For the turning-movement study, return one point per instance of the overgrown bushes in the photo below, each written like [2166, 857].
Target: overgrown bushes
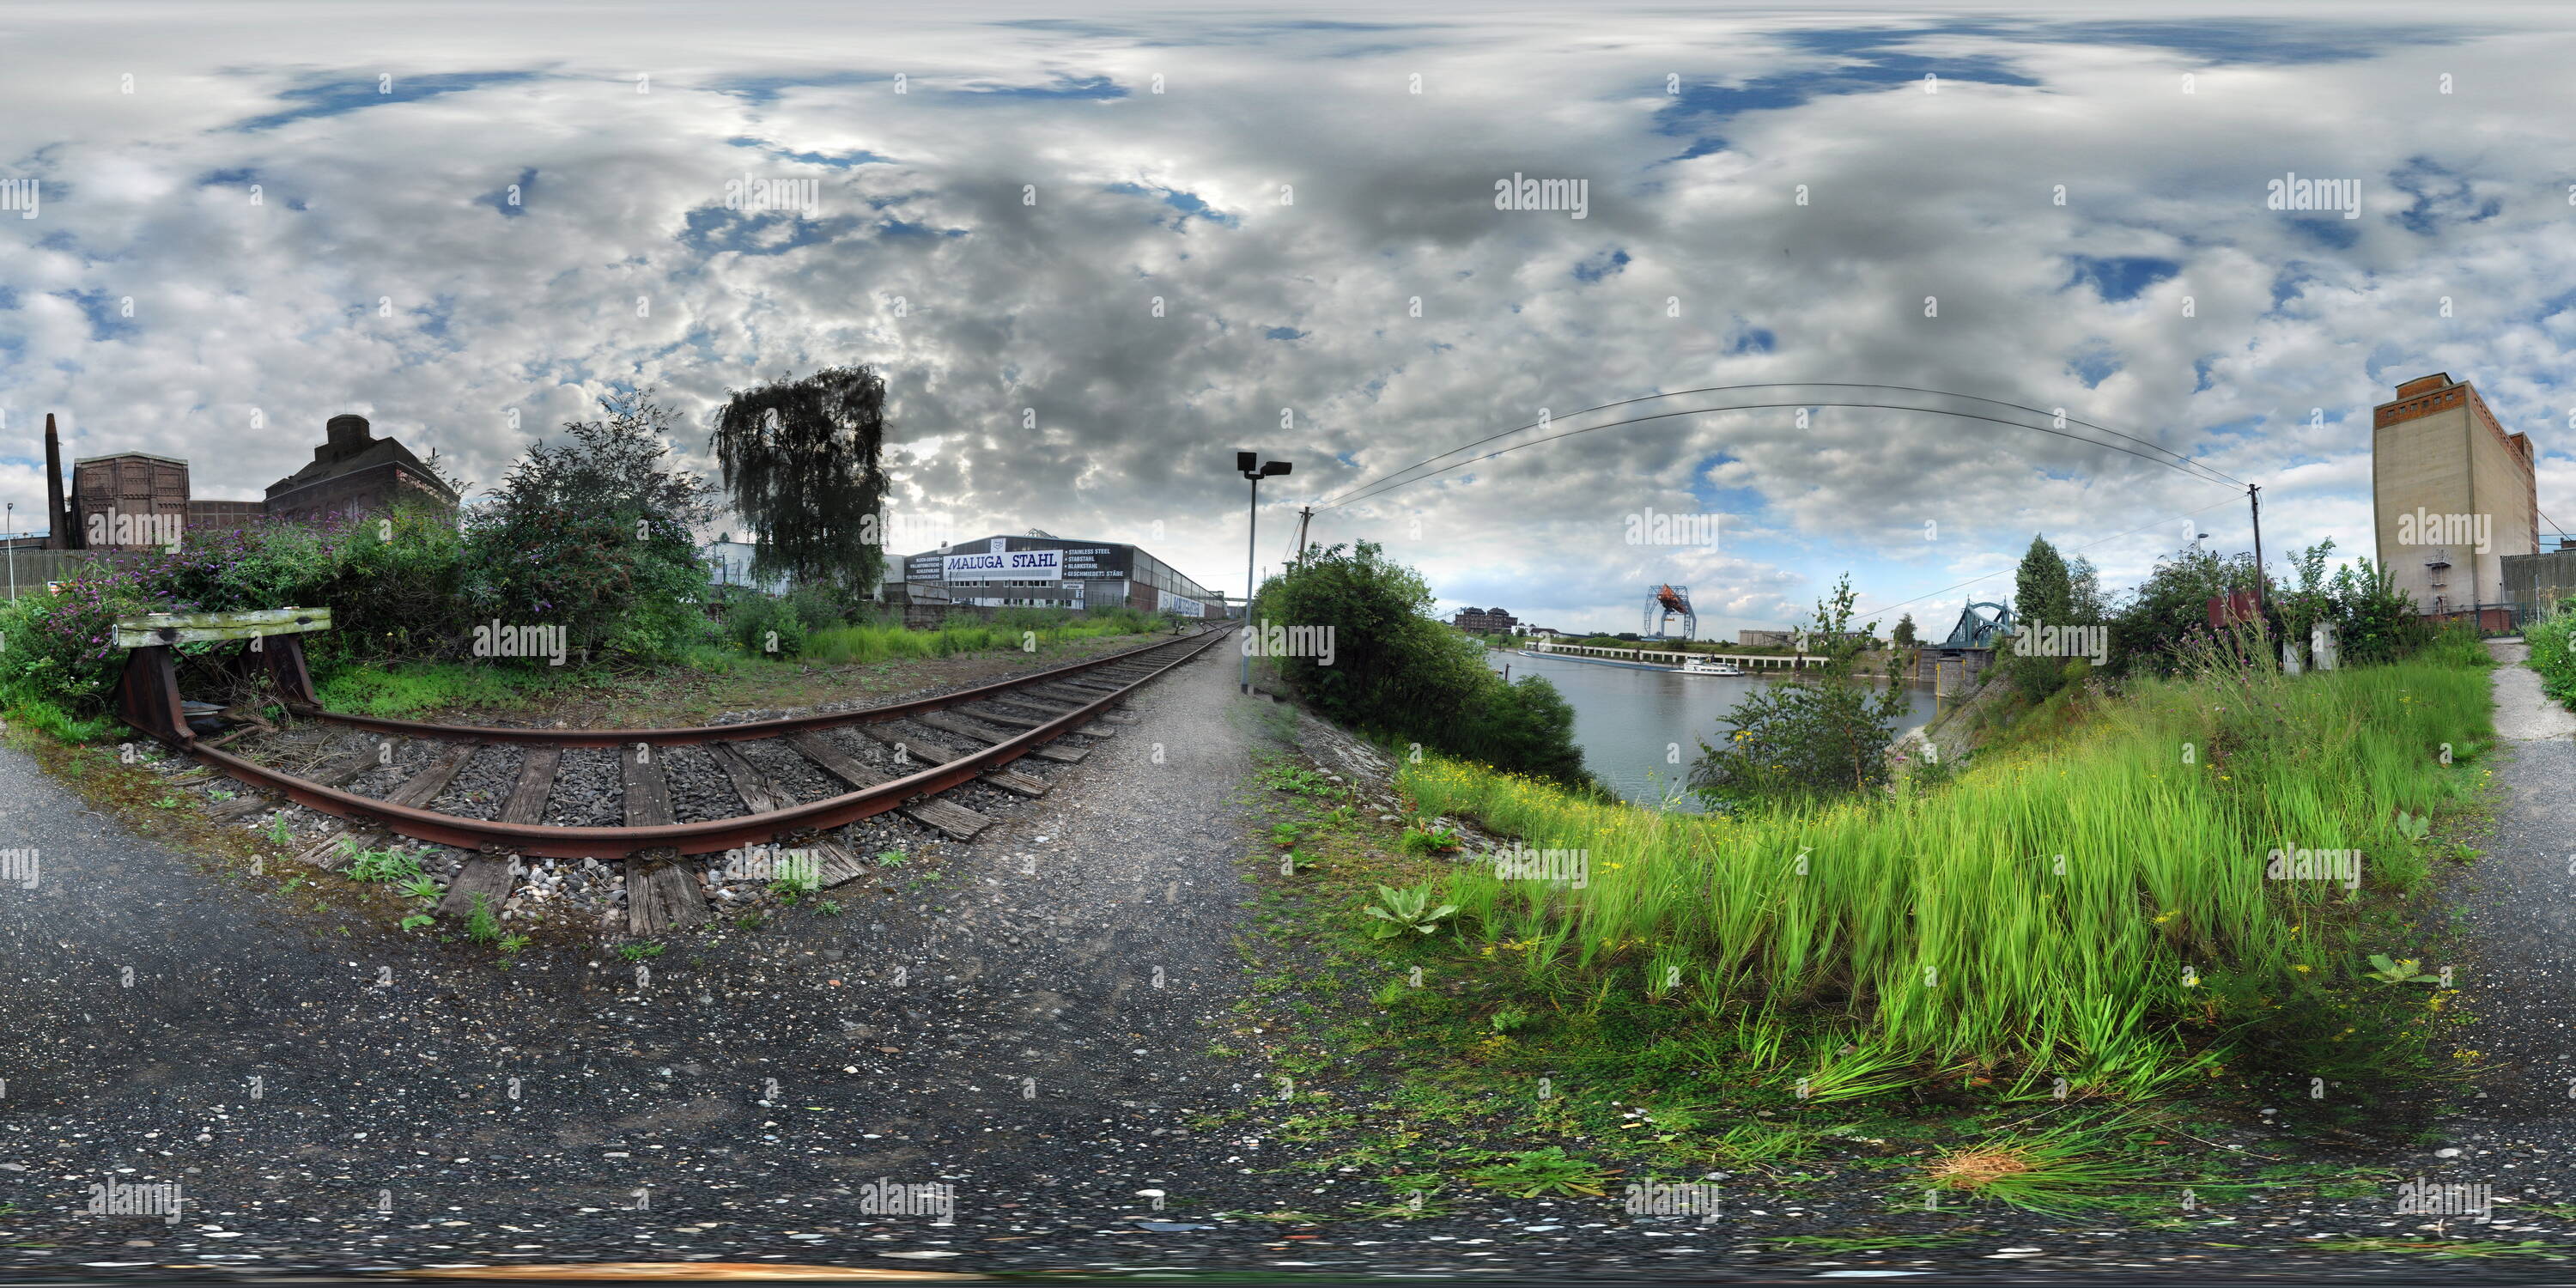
[1354, 637]
[592, 537]
[2553, 653]
[2374, 621]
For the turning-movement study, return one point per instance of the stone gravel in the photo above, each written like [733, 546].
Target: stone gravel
[483, 786]
[589, 791]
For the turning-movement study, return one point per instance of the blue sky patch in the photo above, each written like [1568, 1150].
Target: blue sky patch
[2330, 232]
[103, 312]
[2121, 278]
[2094, 364]
[836, 160]
[1077, 87]
[337, 97]
[499, 198]
[713, 229]
[1601, 266]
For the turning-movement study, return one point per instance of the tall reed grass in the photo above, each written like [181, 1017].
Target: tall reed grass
[2054, 910]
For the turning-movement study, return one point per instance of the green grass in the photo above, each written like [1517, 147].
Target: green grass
[865, 644]
[2553, 654]
[23, 703]
[390, 692]
[2097, 911]
[480, 925]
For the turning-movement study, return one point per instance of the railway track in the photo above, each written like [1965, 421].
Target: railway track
[680, 791]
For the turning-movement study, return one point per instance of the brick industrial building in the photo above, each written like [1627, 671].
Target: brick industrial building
[137, 500]
[1037, 571]
[1485, 621]
[2453, 496]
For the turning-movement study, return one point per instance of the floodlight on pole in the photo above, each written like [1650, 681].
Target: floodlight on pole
[1244, 464]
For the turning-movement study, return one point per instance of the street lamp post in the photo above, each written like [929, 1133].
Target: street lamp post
[1243, 461]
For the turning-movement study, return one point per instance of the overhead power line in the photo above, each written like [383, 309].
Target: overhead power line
[2179, 460]
[1391, 484]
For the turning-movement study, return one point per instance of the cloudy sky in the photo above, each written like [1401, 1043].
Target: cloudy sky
[1095, 256]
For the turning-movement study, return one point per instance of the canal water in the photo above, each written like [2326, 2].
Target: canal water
[1626, 719]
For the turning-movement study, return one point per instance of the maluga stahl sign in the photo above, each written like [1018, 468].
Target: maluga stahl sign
[1004, 565]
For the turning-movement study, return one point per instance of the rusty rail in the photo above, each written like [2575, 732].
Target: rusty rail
[701, 837]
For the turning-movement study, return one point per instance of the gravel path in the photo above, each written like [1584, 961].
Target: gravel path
[2520, 903]
[1025, 1026]
[1027, 1020]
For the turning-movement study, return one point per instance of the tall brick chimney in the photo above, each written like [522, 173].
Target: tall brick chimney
[59, 533]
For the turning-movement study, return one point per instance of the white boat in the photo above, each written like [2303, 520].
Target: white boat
[1709, 668]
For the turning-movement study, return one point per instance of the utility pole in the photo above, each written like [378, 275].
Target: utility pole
[2254, 498]
[1304, 516]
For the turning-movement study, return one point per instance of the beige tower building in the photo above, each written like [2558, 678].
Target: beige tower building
[2452, 494]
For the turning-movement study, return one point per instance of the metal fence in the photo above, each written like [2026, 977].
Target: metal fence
[27, 571]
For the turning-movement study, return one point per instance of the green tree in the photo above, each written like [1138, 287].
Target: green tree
[801, 463]
[2084, 603]
[594, 535]
[1818, 735]
[2043, 594]
[1903, 635]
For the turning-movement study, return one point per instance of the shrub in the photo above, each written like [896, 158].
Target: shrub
[594, 536]
[2553, 653]
[1397, 671]
[818, 607]
[2374, 620]
[1812, 736]
[766, 627]
[60, 649]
